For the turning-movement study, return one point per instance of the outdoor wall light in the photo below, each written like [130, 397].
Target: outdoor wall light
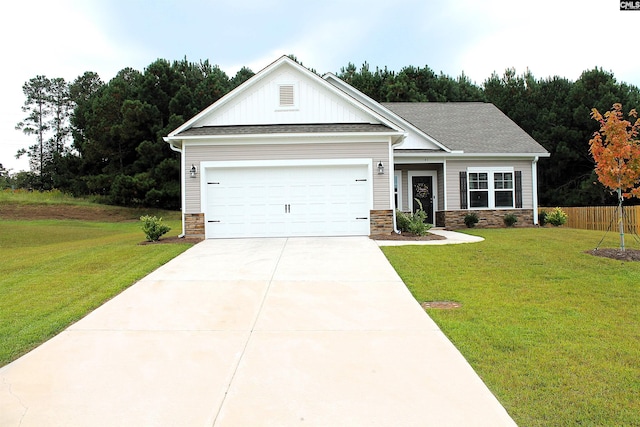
[380, 168]
[193, 171]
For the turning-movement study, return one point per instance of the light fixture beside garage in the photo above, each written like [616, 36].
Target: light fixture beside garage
[194, 171]
[380, 168]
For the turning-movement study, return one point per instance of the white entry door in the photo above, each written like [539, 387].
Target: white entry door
[327, 200]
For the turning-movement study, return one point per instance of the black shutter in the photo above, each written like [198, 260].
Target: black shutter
[518, 189]
[463, 190]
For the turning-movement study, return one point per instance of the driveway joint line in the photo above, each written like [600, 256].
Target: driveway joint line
[253, 326]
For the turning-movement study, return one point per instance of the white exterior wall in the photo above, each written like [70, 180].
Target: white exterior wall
[259, 104]
[378, 151]
[454, 167]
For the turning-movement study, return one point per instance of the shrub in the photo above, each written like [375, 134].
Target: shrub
[403, 220]
[153, 227]
[413, 223]
[556, 217]
[542, 218]
[471, 219]
[510, 219]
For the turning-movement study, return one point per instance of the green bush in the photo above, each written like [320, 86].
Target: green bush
[413, 223]
[153, 227]
[403, 220]
[556, 217]
[542, 218]
[471, 219]
[510, 219]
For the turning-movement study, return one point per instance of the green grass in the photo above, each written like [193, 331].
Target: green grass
[53, 197]
[54, 272]
[22, 202]
[553, 332]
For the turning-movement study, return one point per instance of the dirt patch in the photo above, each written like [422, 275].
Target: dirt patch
[100, 213]
[406, 236]
[626, 255]
[443, 305]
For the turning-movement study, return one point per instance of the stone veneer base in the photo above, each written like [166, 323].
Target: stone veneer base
[488, 218]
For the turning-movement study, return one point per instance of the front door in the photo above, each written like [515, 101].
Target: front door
[423, 192]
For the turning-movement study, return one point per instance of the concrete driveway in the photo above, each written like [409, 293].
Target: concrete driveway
[254, 332]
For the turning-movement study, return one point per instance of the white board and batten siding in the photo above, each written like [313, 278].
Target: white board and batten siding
[454, 167]
[260, 104]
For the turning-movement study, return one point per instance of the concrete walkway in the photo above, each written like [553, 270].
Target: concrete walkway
[450, 237]
[254, 332]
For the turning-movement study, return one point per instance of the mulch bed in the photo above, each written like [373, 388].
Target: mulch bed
[626, 255]
[406, 236]
[174, 239]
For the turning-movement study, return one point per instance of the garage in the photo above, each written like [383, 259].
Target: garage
[281, 199]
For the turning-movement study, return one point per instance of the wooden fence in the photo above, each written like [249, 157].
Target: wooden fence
[602, 218]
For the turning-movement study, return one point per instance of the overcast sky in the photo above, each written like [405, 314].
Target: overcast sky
[65, 38]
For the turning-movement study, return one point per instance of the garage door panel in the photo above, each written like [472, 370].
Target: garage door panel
[287, 201]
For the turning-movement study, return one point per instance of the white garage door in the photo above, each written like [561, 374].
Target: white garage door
[328, 200]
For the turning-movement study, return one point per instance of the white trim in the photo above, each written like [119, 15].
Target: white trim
[534, 189]
[444, 185]
[288, 138]
[398, 174]
[277, 163]
[490, 169]
[491, 190]
[209, 165]
[461, 155]
[183, 188]
[434, 183]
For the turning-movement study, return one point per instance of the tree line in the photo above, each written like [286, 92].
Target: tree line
[106, 139]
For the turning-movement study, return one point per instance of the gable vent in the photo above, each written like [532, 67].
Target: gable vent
[286, 96]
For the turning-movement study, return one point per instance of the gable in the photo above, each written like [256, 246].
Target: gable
[415, 138]
[286, 94]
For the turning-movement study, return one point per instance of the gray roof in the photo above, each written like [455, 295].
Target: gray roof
[292, 128]
[472, 127]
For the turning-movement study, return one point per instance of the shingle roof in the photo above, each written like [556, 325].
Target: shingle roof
[291, 128]
[473, 127]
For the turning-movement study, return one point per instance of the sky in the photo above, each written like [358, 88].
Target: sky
[65, 38]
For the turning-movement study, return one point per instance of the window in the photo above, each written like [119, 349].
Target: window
[503, 185]
[397, 188]
[491, 188]
[478, 190]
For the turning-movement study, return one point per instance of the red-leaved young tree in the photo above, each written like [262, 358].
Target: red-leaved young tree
[616, 151]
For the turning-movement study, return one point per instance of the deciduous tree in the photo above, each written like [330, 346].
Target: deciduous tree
[616, 151]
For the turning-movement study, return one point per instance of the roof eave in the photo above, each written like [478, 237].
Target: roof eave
[462, 154]
[393, 135]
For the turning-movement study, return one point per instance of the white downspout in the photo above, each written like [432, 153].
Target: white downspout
[392, 174]
[534, 181]
[182, 185]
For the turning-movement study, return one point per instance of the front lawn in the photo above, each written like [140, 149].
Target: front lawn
[553, 332]
[54, 272]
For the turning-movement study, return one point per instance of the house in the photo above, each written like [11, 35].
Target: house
[290, 153]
